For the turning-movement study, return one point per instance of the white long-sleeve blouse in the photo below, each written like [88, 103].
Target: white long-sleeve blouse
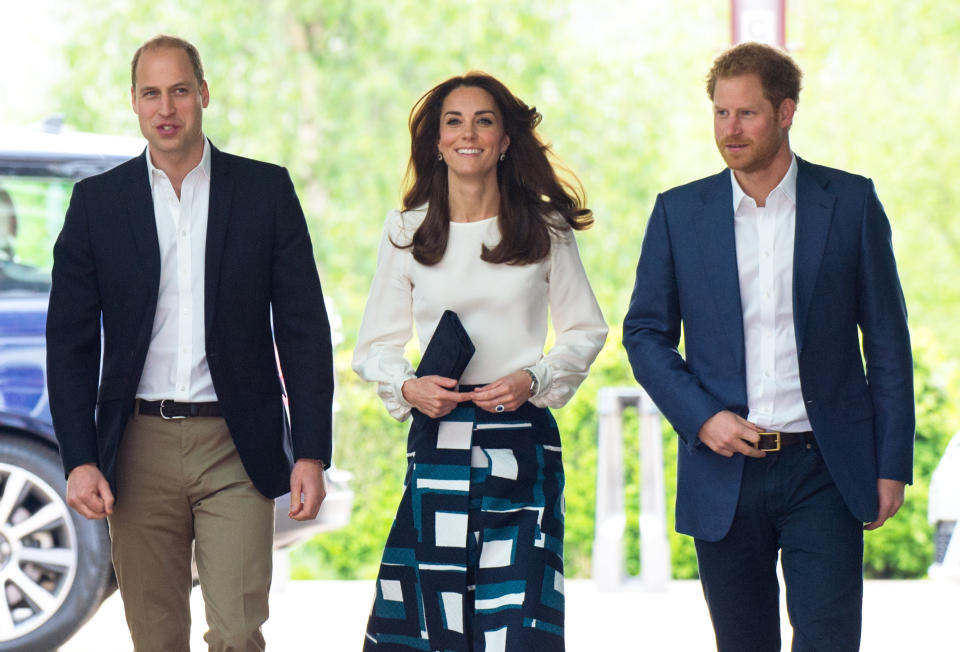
[502, 307]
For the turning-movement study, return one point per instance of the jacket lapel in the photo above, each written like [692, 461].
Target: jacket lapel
[218, 217]
[718, 255]
[139, 206]
[814, 215]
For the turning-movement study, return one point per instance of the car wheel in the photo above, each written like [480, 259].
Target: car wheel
[55, 565]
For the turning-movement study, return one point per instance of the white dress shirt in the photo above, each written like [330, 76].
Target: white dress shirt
[502, 307]
[764, 241]
[176, 365]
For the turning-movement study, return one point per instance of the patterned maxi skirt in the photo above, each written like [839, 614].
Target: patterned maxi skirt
[474, 560]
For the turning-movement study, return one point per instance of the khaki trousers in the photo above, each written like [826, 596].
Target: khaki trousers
[180, 483]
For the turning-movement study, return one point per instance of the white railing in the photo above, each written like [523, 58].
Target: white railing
[611, 516]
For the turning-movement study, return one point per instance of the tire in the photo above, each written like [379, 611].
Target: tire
[54, 571]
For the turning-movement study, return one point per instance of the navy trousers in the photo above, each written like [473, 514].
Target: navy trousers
[788, 504]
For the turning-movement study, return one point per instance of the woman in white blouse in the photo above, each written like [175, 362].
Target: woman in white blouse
[475, 559]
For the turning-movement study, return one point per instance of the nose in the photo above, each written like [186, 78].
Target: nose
[166, 104]
[734, 125]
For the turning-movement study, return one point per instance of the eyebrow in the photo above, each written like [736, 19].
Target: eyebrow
[474, 113]
[184, 82]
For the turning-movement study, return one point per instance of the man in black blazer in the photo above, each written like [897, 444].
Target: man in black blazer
[199, 268]
[780, 275]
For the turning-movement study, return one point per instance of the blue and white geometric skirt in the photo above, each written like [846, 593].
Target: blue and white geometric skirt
[474, 560]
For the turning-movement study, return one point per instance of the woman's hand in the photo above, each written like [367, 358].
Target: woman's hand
[510, 391]
[432, 396]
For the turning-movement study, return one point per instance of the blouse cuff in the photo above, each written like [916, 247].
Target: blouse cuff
[392, 395]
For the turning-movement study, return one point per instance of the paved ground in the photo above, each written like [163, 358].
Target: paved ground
[330, 616]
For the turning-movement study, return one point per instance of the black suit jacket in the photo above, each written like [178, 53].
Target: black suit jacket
[259, 263]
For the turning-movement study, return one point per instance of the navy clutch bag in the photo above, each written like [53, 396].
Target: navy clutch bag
[448, 351]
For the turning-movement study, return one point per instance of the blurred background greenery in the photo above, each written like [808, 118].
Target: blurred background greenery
[324, 87]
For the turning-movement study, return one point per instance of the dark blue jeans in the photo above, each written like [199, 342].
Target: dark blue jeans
[788, 503]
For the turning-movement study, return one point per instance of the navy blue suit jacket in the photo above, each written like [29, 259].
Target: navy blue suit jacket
[258, 265]
[845, 284]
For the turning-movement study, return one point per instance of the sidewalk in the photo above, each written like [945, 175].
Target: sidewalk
[331, 615]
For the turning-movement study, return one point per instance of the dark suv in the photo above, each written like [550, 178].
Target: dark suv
[54, 564]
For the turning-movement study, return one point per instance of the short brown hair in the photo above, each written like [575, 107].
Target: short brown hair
[165, 41]
[779, 75]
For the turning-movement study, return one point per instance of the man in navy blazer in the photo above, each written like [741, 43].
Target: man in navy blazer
[199, 268]
[792, 436]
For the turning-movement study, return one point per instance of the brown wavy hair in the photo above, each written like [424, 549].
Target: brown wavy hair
[780, 77]
[532, 194]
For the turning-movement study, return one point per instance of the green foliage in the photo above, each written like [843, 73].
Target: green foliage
[903, 547]
[324, 87]
[373, 447]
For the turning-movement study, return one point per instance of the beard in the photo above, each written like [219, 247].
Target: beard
[757, 154]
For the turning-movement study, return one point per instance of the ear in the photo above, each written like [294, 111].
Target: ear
[204, 94]
[785, 113]
[504, 143]
[133, 99]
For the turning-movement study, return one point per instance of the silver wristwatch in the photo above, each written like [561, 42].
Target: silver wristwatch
[534, 381]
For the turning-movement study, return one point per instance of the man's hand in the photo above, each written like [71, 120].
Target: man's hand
[511, 392]
[89, 493]
[890, 498]
[307, 490]
[725, 433]
[432, 395]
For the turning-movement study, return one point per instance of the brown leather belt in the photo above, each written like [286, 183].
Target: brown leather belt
[169, 409]
[774, 441]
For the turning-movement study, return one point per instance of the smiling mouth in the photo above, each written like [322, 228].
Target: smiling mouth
[469, 151]
[167, 129]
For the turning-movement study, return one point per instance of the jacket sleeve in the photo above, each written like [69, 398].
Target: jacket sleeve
[301, 330]
[73, 338]
[651, 335]
[886, 344]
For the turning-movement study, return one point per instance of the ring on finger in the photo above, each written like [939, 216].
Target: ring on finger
[499, 407]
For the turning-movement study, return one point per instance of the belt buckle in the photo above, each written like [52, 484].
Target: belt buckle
[164, 416]
[776, 439]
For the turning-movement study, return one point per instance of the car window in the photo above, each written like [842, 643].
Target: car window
[31, 214]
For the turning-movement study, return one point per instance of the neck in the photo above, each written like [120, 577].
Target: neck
[472, 201]
[177, 166]
[759, 183]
